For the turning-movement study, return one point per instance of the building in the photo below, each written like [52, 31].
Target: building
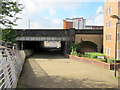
[67, 24]
[111, 45]
[78, 23]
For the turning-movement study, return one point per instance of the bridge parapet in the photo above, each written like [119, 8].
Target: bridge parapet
[45, 34]
[89, 31]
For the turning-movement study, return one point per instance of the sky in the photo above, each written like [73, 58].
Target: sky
[44, 14]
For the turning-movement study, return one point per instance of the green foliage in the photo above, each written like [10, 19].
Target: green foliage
[8, 12]
[74, 53]
[94, 55]
[8, 17]
[9, 35]
[104, 60]
[74, 47]
[110, 60]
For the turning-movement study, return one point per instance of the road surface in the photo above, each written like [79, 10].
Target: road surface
[52, 70]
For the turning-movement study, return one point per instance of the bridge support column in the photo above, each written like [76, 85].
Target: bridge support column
[64, 47]
[21, 45]
[41, 44]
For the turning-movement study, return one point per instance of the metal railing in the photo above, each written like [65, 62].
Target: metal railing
[10, 66]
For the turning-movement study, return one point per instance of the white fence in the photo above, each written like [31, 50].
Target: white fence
[11, 65]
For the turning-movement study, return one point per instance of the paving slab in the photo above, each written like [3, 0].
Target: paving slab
[56, 71]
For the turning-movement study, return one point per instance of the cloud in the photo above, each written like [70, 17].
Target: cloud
[57, 21]
[98, 19]
[100, 8]
[34, 11]
[52, 12]
[32, 6]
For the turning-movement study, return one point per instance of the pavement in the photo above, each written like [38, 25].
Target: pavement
[52, 70]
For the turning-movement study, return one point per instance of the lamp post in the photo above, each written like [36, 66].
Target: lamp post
[115, 17]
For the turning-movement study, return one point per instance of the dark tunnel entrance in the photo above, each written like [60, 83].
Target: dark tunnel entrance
[49, 47]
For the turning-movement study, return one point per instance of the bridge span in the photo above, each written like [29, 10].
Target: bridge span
[34, 38]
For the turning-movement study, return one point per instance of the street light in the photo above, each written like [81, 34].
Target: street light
[115, 17]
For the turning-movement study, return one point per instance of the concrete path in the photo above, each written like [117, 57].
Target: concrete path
[56, 71]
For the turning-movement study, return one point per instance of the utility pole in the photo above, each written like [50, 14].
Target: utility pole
[29, 23]
[118, 18]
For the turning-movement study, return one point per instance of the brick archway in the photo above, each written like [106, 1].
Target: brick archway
[88, 46]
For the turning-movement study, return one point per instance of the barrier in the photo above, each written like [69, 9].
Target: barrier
[28, 53]
[11, 65]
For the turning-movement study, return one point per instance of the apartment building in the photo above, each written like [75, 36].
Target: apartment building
[67, 24]
[111, 44]
[78, 23]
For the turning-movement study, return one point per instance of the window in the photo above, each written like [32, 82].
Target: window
[110, 10]
[106, 24]
[118, 54]
[118, 36]
[107, 11]
[110, 24]
[108, 37]
[108, 51]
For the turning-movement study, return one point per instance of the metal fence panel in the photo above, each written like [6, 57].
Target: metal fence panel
[10, 66]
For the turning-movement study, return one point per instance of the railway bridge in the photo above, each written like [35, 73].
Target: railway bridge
[34, 38]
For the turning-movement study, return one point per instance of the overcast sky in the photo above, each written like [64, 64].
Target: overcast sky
[51, 13]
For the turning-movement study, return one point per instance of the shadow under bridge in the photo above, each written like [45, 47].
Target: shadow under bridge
[35, 38]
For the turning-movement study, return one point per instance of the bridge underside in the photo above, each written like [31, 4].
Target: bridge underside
[35, 38]
[39, 46]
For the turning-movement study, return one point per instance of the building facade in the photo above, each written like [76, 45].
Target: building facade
[67, 24]
[78, 23]
[111, 44]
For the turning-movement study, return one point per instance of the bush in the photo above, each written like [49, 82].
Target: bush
[93, 55]
[104, 60]
[110, 60]
[73, 47]
[74, 53]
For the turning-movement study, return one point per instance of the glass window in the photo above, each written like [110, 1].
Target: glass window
[108, 37]
[118, 54]
[106, 24]
[118, 36]
[110, 10]
[108, 51]
[110, 23]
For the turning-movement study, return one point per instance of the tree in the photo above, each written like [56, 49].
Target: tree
[8, 16]
[8, 12]
[9, 35]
